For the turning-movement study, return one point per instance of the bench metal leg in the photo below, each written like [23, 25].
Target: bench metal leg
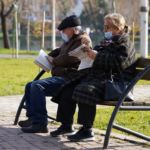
[135, 108]
[51, 117]
[142, 136]
[19, 110]
[121, 99]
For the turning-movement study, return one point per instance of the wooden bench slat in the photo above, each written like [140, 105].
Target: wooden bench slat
[109, 103]
[113, 103]
[145, 77]
[127, 104]
[143, 62]
[147, 104]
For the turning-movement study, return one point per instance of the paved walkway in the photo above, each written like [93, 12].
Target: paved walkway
[19, 56]
[11, 137]
[141, 93]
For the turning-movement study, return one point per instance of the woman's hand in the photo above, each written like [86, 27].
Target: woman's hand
[50, 59]
[85, 41]
[91, 53]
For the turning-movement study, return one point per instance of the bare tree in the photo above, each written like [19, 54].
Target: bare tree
[130, 10]
[93, 13]
[4, 15]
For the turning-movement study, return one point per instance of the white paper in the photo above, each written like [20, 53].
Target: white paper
[85, 63]
[79, 52]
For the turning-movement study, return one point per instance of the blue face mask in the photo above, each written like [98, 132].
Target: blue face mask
[64, 37]
[108, 35]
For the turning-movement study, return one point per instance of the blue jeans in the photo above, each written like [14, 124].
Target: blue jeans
[35, 93]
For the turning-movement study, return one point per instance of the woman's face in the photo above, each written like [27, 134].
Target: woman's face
[109, 27]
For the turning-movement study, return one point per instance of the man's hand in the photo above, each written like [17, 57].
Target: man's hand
[85, 41]
[50, 59]
[91, 53]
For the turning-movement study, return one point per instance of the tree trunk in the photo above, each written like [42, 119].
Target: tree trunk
[6, 40]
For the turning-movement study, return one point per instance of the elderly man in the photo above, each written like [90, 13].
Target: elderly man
[65, 69]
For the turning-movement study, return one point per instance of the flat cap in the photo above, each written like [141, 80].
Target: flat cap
[71, 21]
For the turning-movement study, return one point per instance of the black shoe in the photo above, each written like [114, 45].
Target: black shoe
[63, 130]
[84, 134]
[25, 123]
[36, 128]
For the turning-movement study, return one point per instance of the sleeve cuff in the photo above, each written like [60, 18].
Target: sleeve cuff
[53, 62]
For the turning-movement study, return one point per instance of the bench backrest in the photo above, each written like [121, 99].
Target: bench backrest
[141, 64]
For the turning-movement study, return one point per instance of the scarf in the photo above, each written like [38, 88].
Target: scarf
[105, 42]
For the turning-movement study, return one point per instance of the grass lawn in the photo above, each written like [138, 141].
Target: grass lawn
[15, 73]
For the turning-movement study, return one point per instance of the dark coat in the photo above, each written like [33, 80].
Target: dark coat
[64, 65]
[119, 53]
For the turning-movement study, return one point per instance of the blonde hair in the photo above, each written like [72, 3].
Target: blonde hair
[118, 21]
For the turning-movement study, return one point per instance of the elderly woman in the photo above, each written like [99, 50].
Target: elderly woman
[114, 52]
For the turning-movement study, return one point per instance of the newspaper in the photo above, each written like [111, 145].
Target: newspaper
[79, 52]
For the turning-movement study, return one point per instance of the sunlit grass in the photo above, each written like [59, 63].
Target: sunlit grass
[15, 73]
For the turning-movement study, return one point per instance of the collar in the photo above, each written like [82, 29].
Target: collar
[76, 35]
[118, 36]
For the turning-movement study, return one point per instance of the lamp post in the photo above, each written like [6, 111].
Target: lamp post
[144, 29]
[113, 6]
[28, 29]
[43, 26]
[53, 27]
[28, 34]
[16, 23]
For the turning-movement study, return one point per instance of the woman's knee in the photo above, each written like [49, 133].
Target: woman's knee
[66, 95]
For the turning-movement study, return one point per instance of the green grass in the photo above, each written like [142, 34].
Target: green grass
[15, 73]
[143, 82]
[20, 52]
[136, 120]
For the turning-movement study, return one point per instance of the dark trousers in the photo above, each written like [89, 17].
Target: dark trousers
[35, 93]
[67, 107]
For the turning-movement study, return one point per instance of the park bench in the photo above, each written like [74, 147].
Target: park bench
[142, 72]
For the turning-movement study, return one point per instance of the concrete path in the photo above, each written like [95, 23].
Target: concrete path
[11, 137]
[141, 93]
[19, 56]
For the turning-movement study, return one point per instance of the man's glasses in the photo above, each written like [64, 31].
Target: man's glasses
[107, 27]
